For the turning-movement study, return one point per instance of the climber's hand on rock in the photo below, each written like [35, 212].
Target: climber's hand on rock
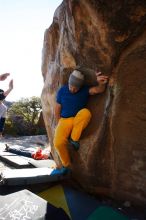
[101, 79]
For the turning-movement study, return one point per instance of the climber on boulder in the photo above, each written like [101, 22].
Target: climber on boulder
[71, 114]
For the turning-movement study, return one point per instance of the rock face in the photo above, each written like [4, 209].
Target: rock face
[109, 36]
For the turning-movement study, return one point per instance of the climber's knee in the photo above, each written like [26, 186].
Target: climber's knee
[84, 114]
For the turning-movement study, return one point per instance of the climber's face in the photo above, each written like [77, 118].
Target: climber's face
[73, 89]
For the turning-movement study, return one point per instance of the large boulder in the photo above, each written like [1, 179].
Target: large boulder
[109, 36]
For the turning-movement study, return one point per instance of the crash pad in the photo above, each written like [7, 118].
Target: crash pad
[80, 205]
[30, 176]
[55, 196]
[26, 205]
[19, 161]
[104, 213]
[14, 160]
[42, 163]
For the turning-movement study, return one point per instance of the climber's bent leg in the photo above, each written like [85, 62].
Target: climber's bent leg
[80, 122]
[62, 133]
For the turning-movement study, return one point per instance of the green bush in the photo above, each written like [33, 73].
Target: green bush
[23, 117]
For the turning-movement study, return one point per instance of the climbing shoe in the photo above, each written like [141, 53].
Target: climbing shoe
[65, 170]
[75, 144]
[62, 170]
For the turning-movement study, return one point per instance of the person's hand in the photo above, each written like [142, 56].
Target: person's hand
[4, 76]
[11, 85]
[101, 79]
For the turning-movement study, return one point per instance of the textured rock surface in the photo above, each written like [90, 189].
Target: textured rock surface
[109, 36]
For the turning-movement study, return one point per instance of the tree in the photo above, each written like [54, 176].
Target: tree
[24, 115]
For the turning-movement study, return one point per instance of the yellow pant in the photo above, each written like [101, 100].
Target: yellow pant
[73, 127]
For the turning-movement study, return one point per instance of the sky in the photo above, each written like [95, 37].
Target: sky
[22, 27]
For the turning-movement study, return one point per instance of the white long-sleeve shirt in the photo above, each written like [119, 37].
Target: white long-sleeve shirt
[3, 110]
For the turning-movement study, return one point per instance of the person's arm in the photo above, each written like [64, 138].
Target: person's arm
[102, 81]
[4, 76]
[10, 88]
[58, 105]
[57, 111]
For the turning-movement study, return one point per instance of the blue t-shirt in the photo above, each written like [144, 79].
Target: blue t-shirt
[71, 103]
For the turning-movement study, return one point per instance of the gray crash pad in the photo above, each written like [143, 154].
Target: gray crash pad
[30, 176]
[42, 163]
[18, 161]
[6, 153]
[14, 160]
[26, 205]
